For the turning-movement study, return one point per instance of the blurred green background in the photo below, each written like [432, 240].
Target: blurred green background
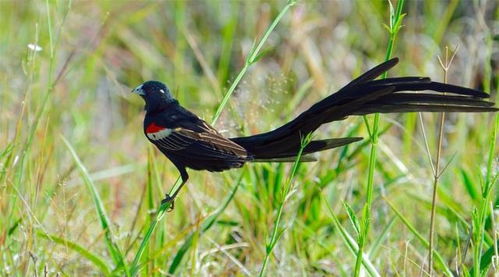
[66, 70]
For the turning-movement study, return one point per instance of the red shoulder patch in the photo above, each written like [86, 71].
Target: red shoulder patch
[153, 128]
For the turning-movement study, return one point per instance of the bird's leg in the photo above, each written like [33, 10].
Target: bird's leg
[171, 199]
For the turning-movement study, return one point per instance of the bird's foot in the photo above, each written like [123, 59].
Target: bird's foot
[169, 199]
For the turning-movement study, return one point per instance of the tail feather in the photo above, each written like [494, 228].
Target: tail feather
[362, 96]
[408, 108]
[427, 84]
[373, 73]
[292, 159]
[312, 147]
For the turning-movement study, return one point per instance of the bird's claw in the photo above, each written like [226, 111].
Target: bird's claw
[169, 199]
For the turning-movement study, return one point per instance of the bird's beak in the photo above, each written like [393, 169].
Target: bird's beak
[138, 90]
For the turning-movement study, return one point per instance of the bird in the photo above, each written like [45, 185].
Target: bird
[189, 142]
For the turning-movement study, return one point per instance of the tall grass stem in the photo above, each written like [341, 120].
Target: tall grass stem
[396, 17]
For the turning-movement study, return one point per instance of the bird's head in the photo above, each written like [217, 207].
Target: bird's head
[155, 94]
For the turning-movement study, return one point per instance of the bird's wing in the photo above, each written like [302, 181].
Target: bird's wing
[202, 140]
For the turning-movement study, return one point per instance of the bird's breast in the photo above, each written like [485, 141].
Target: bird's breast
[156, 132]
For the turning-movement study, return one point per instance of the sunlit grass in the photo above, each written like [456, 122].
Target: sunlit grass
[80, 185]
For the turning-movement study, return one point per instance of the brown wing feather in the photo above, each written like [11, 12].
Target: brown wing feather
[205, 144]
[214, 139]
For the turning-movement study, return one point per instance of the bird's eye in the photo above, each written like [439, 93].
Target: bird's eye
[162, 91]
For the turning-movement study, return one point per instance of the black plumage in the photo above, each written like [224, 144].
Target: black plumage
[189, 142]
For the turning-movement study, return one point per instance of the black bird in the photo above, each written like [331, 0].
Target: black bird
[190, 142]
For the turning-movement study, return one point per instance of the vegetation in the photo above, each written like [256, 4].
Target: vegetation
[80, 186]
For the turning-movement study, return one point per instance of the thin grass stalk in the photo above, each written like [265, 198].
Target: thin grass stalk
[436, 171]
[41, 110]
[395, 25]
[276, 233]
[350, 241]
[251, 59]
[253, 56]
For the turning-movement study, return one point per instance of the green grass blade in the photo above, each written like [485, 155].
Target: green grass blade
[94, 259]
[112, 247]
[439, 259]
[205, 226]
[378, 242]
[134, 266]
[487, 259]
[351, 244]
[353, 218]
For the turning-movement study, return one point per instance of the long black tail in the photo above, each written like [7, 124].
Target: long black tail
[362, 96]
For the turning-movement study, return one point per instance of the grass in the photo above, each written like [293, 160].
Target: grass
[393, 28]
[278, 231]
[80, 186]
